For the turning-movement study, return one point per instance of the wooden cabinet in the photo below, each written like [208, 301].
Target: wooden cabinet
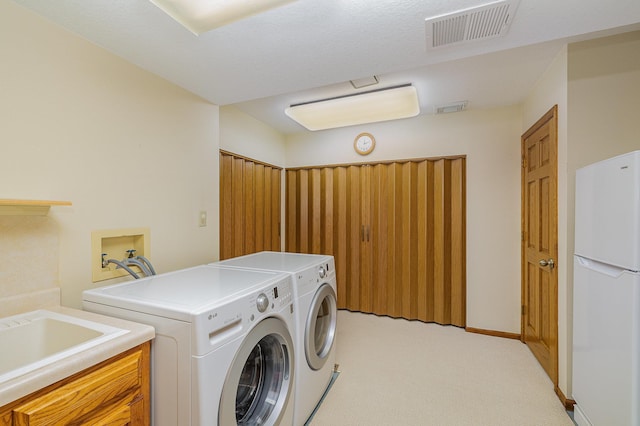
[396, 230]
[114, 392]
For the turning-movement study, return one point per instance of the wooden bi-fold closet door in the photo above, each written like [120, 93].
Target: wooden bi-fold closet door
[249, 206]
[396, 230]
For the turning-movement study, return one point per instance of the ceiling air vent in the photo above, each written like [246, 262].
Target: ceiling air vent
[477, 23]
[450, 107]
[364, 82]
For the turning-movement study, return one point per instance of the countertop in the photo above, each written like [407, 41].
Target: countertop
[28, 383]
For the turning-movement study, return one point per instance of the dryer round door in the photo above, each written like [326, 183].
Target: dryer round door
[258, 385]
[320, 328]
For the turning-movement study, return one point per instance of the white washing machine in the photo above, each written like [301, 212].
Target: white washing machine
[224, 348]
[314, 289]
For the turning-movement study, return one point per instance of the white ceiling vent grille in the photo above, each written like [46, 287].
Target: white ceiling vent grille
[477, 23]
[450, 107]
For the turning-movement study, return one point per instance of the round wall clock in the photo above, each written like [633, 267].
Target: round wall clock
[364, 143]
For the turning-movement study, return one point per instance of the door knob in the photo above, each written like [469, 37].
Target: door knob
[550, 263]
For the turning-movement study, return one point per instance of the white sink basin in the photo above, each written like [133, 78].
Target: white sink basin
[35, 339]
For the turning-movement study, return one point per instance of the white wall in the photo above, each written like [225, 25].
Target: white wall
[491, 141]
[127, 148]
[551, 90]
[244, 135]
[604, 88]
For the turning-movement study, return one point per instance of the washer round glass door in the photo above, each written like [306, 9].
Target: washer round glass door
[320, 329]
[258, 384]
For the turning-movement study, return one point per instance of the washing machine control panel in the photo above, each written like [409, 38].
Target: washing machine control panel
[276, 297]
[308, 280]
[322, 272]
[283, 294]
[326, 269]
[224, 323]
[262, 302]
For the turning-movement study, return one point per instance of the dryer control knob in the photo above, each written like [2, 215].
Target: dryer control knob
[321, 272]
[262, 302]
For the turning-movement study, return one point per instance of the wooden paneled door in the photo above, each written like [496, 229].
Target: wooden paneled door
[540, 242]
[396, 230]
[250, 198]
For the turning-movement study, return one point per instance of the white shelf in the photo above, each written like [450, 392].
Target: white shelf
[28, 207]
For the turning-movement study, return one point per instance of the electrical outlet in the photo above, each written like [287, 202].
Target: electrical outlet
[203, 218]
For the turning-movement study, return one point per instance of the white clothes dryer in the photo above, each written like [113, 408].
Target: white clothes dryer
[314, 289]
[224, 348]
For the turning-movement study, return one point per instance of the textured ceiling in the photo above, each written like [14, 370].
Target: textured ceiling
[310, 49]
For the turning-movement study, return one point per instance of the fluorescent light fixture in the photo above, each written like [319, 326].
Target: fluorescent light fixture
[200, 16]
[367, 107]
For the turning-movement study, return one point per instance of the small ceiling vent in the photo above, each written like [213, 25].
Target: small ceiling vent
[477, 23]
[450, 107]
[364, 82]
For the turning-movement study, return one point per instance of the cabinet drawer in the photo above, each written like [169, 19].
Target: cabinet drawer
[79, 397]
[119, 417]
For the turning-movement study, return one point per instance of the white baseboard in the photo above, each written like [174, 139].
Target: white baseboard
[579, 417]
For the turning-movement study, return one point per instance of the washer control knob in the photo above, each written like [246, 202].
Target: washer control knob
[322, 272]
[262, 302]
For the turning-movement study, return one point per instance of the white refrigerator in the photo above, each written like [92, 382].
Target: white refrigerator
[606, 293]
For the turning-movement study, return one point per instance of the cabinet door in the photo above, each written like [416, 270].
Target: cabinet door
[118, 415]
[84, 395]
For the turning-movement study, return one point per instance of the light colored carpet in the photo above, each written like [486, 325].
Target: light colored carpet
[398, 372]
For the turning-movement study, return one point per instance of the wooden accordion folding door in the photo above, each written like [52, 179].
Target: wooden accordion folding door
[250, 197]
[396, 230]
